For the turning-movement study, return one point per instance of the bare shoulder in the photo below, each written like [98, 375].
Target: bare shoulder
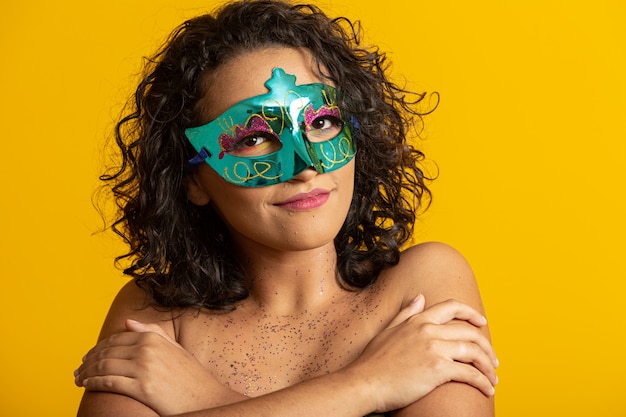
[440, 272]
[436, 270]
[131, 302]
[134, 303]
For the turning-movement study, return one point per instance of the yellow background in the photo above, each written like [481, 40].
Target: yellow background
[529, 137]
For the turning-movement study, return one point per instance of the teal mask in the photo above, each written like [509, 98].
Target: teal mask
[270, 138]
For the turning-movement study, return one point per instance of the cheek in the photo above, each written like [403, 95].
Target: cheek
[346, 181]
[241, 219]
[238, 207]
[232, 206]
[347, 178]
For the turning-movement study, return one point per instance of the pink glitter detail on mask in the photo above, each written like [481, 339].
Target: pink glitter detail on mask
[310, 114]
[255, 124]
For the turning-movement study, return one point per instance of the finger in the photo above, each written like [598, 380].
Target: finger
[415, 307]
[114, 352]
[139, 327]
[118, 339]
[463, 331]
[125, 346]
[467, 353]
[473, 354]
[135, 326]
[111, 367]
[116, 384]
[100, 363]
[468, 374]
[448, 310]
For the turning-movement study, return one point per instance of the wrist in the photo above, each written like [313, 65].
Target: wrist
[361, 389]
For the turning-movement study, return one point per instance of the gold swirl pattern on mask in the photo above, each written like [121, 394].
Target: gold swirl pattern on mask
[330, 97]
[342, 151]
[260, 168]
[273, 104]
[228, 127]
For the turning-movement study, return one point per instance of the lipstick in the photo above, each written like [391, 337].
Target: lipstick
[306, 201]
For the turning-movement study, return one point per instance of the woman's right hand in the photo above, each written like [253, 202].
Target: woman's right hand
[422, 349]
[146, 364]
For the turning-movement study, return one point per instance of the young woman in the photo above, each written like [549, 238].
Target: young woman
[266, 189]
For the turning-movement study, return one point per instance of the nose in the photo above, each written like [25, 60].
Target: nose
[305, 175]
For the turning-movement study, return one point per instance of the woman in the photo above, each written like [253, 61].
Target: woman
[266, 188]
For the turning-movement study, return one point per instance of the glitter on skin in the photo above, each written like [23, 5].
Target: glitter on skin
[261, 353]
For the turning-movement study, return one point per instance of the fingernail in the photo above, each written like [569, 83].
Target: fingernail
[417, 299]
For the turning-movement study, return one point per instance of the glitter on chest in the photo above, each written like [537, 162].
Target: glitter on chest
[255, 353]
[256, 358]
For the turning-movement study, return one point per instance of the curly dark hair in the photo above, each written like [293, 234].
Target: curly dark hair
[180, 252]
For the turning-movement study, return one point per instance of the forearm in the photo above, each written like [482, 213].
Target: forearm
[108, 404]
[111, 404]
[451, 399]
[336, 394]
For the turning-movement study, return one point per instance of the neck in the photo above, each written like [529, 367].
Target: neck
[290, 283]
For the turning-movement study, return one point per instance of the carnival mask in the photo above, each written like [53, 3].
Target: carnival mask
[270, 138]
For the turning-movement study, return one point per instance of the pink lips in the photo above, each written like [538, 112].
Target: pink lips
[306, 201]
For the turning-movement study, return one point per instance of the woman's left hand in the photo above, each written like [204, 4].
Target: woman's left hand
[145, 363]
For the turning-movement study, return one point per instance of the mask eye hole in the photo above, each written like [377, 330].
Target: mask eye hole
[324, 128]
[255, 138]
[255, 144]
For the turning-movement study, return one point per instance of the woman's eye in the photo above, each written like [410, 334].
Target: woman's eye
[322, 123]
[253, 141]
[256, 144]
[324, 128]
